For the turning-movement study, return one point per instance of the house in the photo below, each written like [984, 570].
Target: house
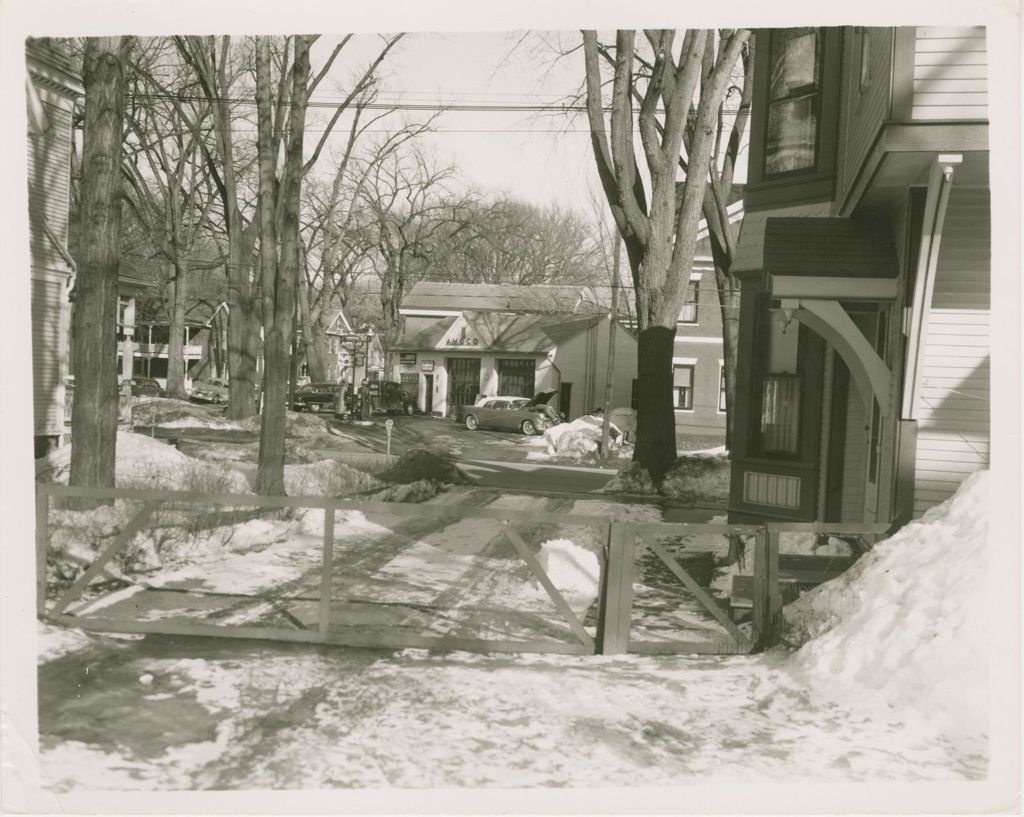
[698, 362]
[863, 375]
[354, 355]
[52, 85]
[458, 342]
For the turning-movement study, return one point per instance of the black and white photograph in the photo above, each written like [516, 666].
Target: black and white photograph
[404, 406]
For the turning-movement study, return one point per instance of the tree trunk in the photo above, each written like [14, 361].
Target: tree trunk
[94, 415]
[655, 416]
[318, 354]
[176, 342]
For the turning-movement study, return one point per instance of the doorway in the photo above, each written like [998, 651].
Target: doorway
[463, 381]
[428, 393]
[565, 399]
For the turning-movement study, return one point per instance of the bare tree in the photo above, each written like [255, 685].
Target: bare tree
[170, 190]
[279, 248]
[339, 234]
[94, 414]
[411, 203]
[656, 213]
[218, 72]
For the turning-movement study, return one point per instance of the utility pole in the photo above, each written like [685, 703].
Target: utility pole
[613, 318]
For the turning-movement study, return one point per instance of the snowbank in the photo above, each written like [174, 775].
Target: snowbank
[419, 464]
[326, 478]
[144, 462]
[906, 628]
[579, 439]
[632, 479]
[575, 571]
[698, 476]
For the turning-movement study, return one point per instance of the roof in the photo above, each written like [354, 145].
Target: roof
[538, 298]
[827, 248]
[497, 332]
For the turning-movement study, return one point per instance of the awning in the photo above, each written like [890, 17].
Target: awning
[829, 258]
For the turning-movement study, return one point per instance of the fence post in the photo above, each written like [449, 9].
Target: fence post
[615, 613]
[326, 569]
[767, 612]
[42, 546]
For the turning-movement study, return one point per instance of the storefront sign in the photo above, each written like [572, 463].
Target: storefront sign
[427, 366]
[463, 342]
[407, 359]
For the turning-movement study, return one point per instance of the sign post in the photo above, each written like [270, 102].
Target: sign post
[388, 425]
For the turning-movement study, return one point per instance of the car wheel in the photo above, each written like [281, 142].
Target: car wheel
[410, 409]
[314, 407]
[528, 427]
[471, 422]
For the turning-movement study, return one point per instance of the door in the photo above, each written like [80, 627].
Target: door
[463, 381]
[516, 377]
[428, 394]
[565, 399]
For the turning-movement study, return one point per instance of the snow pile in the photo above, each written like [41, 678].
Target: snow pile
[632, 479]
[906, 628]
[144, 462]
[326, 478]
[575, 571]
[419, 464]
[700, 477]
[578, 439]
[169, 413]
[719, 452]
[298, 425]
[419, 491]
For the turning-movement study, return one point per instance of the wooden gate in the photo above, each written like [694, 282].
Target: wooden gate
[312, 609]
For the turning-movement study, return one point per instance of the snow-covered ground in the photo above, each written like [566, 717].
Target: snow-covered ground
[889, 683]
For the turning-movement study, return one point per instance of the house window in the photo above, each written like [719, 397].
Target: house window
[721, 387]
[682, 383]
[793, 101]
[689, 312]
[778, 418]
[780, 414]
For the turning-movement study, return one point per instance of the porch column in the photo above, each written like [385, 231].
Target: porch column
[940, 182]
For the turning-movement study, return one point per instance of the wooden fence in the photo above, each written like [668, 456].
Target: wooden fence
[611, 635]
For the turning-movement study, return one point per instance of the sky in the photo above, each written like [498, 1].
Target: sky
[543, 158]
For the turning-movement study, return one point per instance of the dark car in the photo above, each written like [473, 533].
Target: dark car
[146, 387]
[390, 398]
[316, 397]
[510, 414]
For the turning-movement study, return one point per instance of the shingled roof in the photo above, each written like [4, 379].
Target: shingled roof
[827, 248]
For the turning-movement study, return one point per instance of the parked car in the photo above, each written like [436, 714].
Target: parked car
[510, 414]
[146, 387]
[390, 397]
[214, 390]
[316, 397]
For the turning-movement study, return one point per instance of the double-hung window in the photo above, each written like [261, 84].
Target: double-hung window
[793, 101]
[682, 382]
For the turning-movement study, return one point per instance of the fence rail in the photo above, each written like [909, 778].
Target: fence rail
[615, 603]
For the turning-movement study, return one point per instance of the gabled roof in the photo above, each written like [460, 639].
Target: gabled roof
[424, 333]
[536, 299]
[497, 331]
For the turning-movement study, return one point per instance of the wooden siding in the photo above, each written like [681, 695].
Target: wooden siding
[49, 171]
[954, 415]
[48, 357]
[854, 461]
[950, 73]
[863, 110]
